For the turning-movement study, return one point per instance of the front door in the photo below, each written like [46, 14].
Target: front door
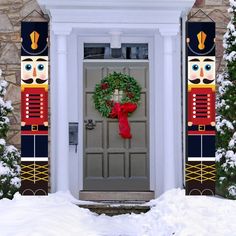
[112, 163]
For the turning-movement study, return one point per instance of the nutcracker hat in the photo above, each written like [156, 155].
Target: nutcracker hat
[34, 39]
[200, 38]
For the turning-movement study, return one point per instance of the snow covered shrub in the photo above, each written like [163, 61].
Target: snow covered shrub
[9, 155]
[226, 119]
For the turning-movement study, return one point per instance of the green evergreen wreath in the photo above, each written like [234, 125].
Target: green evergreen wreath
[103, 95]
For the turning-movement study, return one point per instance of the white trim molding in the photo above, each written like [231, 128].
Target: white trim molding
[183, 5]
[169, 116]
[62, 170]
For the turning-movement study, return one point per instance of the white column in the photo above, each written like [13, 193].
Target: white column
[168, 113]
[62, 145]
[53, 111]
[156, 117]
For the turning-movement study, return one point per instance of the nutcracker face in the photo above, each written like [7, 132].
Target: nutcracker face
[201, 70]
[34, 70]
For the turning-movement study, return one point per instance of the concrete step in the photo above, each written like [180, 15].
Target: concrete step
[116, 196]
[116, 209]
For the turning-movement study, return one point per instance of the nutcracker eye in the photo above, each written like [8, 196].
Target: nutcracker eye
[28, 67]
[207, 67]
[195, 67]
[40, 67]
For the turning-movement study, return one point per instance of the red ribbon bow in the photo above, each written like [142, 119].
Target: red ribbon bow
[121, 111]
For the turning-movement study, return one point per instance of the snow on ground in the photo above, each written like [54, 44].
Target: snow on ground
[171, 214]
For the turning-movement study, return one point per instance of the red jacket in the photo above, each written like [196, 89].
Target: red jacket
[34, 106]
[201, 108]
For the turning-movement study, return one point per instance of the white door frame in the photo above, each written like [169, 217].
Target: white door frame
[106, 39]
[164, 104]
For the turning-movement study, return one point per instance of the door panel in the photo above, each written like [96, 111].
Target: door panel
[94, 165]
[138, 164]
[94, 139]
[139, 72]
[116, 165]
[117, 69]
[93, 75]
[139, 135]
[141, 112]
[114, 140]
[112, 163]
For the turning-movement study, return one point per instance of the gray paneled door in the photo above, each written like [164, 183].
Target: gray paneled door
[112, 163]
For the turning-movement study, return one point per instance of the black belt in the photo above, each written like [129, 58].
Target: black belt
[201, 128]
[34, 127]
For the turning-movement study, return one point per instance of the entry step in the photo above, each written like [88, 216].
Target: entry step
[116, 196]
[112, 210]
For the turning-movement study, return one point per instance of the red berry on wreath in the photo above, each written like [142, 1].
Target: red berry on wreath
[109, 103]
[130, 95]
[104, 86]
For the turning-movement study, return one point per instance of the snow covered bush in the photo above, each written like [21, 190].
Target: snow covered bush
[9, 155]
[226, 119]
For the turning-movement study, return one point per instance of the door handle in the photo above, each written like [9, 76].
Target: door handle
[90, 124]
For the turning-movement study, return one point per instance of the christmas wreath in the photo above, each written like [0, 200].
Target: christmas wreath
[116, 97]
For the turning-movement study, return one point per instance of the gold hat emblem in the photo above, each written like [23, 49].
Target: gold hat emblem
[34, 36]
[201, 36]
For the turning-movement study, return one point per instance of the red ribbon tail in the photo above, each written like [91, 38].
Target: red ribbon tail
[122, 112]
[124, 126]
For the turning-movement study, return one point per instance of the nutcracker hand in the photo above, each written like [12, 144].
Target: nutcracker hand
[213, 123]
[190, 123]
[45, 123]
[22, 123]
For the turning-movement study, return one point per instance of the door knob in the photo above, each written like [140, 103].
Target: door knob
[90, 124]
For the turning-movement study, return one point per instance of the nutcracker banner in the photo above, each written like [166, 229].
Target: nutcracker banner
[34, 108]
[200, 66]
